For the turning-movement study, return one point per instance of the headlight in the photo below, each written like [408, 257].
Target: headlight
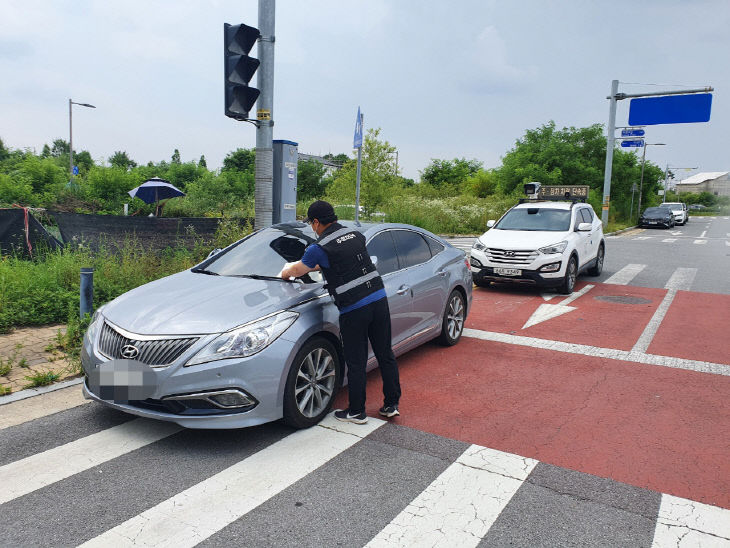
[478, 245]
[246, 340]
[555, 248]
[96, 320]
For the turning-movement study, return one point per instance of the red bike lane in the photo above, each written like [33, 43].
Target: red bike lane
[655, 427]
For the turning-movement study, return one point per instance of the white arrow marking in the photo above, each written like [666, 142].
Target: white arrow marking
[548, 296]
[546, 312]
[676, 233]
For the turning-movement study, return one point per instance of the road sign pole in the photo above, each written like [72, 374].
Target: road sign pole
[641, 183]
[264, 165]
[610, 141]
[359, 167]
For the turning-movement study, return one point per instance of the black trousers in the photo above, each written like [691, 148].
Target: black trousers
[370, 322]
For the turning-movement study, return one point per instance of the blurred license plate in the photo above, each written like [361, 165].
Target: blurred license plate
[508, 271]
[653, 222]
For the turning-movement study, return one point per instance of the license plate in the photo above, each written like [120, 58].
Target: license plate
[653, 222]
[508, 271]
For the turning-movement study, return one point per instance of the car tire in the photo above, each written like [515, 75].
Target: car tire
[452, 324]
[571, 273]
[312, 383]
[597, 268]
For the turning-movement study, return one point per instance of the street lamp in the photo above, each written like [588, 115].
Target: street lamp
[643, 159]
[666, 174]
[71, 138]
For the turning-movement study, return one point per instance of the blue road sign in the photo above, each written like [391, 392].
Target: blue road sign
[357, 140]
[670, 109]
[76, 170]
[632, 133]
[636, 143]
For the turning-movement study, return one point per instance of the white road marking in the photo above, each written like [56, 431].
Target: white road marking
[26, 475]
[546, 312]
[643, 238]
[29, 409]
[727, 243]
[548, 296]
[460, 506]
[681, 279]
[626, 274]
[703, 234]
[669, 240]
[195, 514]
[683, 522]
[700, 242]
[598, 352]
[676, 233]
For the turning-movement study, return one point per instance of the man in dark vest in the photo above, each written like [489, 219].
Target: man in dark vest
[359, 294]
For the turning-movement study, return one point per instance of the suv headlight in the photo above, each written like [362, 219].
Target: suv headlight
[479, 246]
[246, 340]
[96, 320]
[554, 248]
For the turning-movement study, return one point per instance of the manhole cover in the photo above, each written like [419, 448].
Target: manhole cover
[622, 299]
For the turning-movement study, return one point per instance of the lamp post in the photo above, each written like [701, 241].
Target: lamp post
[643, 159]
[71, 138]
[666, 175]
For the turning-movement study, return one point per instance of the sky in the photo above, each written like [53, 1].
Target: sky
[441, 79]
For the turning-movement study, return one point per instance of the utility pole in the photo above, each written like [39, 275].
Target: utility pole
[264, 165]
[643, 161]
[71, 137]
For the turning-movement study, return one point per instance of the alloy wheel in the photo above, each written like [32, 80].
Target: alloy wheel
[455, 317]
[315, 382]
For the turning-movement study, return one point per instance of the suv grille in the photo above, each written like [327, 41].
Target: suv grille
[508, 256]
[155, 352]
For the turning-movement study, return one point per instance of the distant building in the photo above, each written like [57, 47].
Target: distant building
[716, 182]
[330, 167]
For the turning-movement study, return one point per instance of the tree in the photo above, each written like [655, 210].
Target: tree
[46, 152]
[60, 148]
[202, 163]
[311, 182]
[482, 184]
[84, 160]
[122, 160]
[339, 159]
[175, 157]
[4, 152]
[241, 159]
[449, 175]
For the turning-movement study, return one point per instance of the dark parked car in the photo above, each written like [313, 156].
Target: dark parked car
[657, 216]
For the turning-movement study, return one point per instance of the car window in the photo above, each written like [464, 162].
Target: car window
[412, 248]
[382, 247]
[587, 215]
[435, 246]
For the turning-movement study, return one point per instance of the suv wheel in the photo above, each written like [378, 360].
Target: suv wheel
[311, 384]
[453, 321]
[597, 268]
[571, 273]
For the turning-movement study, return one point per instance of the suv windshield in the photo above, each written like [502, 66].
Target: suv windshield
[263, 253]
[535, 218]
[657, 210]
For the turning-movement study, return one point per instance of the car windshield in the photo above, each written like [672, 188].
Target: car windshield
[656, 211]
[264, 253]
[535, 218]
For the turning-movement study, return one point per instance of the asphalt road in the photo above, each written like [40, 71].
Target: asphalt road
[595, 419]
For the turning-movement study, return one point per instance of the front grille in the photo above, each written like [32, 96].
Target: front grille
[153, 352]
[508, 256]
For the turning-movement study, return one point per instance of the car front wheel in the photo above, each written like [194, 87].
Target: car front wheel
[452, 324]
[598, 267]
[571, 273]
[311, 384]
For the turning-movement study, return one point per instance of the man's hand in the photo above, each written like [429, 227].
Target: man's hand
[295, 270]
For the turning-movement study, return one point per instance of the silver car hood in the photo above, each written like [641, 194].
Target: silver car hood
[188, 303]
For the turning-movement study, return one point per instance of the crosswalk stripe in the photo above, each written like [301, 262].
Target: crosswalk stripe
[460, 506]
[669, 240]
[700, 242]
[195, 514]
[626, 274]
[682, 522]
[24, 476]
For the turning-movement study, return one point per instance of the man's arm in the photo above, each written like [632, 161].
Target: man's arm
[296, 270]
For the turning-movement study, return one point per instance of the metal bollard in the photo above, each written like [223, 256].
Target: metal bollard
[86, 304]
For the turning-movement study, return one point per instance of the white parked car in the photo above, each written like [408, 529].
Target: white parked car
[679, 210]
[545, 243]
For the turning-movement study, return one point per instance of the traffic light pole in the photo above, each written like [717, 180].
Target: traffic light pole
[263, 195]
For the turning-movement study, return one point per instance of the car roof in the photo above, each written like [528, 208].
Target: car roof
[365, 228]
[545, 205]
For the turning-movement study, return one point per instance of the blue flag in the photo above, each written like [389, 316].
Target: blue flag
[357, 141]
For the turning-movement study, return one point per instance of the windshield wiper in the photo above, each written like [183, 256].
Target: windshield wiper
[204, 271]
[262, 277]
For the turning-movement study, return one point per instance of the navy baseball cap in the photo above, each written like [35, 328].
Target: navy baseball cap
[322, 211]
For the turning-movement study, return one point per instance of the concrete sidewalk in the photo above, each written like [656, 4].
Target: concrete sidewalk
[29, 351]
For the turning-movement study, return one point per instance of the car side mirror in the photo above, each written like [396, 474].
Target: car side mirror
[584, 227]
[374, 258]
[491, 223]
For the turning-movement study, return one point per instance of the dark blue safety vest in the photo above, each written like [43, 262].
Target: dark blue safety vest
[351, 275]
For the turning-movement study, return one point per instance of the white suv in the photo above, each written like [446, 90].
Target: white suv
[541, 243]
[679, 210]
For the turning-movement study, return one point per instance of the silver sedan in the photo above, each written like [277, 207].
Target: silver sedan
[229, 344]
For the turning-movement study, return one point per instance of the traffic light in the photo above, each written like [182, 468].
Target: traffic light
[239, 69]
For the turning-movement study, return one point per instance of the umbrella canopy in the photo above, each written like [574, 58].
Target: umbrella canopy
[154, 190]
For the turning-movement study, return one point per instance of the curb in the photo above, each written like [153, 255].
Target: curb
[30, 392]
[622, 230]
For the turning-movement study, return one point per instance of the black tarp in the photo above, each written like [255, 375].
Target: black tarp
[154, 233]
[22, 234]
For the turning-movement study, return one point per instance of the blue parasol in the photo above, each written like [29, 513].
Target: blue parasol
[154, 190]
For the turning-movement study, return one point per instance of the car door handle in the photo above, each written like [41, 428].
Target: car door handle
[402, 290]
[442, 273]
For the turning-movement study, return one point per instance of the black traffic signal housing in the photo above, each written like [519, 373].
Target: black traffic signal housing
[239, 69]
